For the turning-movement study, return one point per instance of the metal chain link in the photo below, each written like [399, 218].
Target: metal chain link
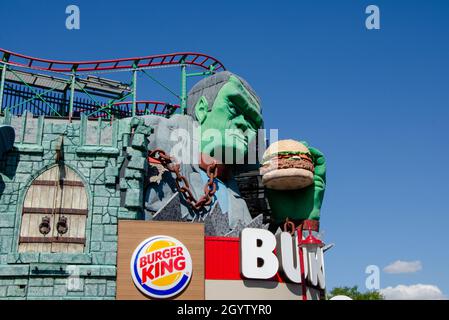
[182, 184]
[289, 225]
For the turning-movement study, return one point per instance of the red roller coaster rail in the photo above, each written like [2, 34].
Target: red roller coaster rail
[153, 107]
[171, 59]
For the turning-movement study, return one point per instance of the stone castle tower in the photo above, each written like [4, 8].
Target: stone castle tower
[63, 187]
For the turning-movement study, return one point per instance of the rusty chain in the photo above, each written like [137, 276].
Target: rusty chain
[182, 184]
[289, 225]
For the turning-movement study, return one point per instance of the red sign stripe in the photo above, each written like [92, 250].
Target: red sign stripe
[222, 256]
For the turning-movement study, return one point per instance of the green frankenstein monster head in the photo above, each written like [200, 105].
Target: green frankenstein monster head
[228, 111]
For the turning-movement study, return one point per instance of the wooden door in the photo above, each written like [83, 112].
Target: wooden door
[57, 194]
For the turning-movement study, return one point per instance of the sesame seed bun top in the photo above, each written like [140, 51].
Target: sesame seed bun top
[288, 145]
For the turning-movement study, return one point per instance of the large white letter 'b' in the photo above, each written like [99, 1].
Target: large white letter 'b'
[256, 254]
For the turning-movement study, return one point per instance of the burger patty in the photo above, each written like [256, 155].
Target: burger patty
[284, 163]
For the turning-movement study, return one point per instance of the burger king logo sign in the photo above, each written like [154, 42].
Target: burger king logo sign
[161, 267]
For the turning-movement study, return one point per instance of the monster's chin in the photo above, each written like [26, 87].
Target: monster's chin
[226, 153]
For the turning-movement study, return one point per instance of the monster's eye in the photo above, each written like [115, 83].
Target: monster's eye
[232, 110]
[250, 124]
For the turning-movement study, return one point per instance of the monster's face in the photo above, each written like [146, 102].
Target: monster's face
[231, 123]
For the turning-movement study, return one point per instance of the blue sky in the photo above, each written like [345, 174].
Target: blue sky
[375, 102]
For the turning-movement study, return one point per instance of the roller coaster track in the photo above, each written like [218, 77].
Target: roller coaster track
[172, 59]
[10, 60]
[147, 107]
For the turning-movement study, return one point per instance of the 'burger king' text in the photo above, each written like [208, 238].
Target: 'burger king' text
[160, 263]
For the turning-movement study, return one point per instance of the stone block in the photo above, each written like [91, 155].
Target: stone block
[85, 162]
[95, 246]
[98, 209]
[71, 149]
[126, 214]
[7, 220]
[61, 281]
[140, 141]
[97, 232]
[98, 257]
[21, 281]
[111, 259]
[6, 244]
[40, 291]
[108, 271]
[91, 290]
[7, 232]
[110, 180]
[112, 162]
[101, 201]
[90, 271]
[102, 191]
[69, 156]
[134, 153]
[138, 163]
[109, 247]
[65, 258]
[25, 167]
[6, 282]
[85, 172]
[14, 270]
[95, 280]
[133, 174]
[3, 292]
[35, 282]
[75, 286]
[110, 230]
[96, 150]
[60, 290]
[47, 282]
[134, 184]
[22, 177]
[23, 257]
[101, 290]
[134, 199]
[114, 202]
[48, 127]
[106, 219]
[59, 128]
[110, 238]
[111, 288]
[96, 219]
[112, 171]
[99, 164]
[97, 176]
[16, 291]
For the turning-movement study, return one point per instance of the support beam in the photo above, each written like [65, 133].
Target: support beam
[99, 131]
[2, 85]
[196, 74]
[183, 88]
[72, 95]
[134, 105]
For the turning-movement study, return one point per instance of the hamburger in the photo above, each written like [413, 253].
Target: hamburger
[287, 165]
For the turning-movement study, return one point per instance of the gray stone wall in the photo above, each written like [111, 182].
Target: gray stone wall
[114, 179]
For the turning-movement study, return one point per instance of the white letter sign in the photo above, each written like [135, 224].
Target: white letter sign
[256, 254]
[287, 252]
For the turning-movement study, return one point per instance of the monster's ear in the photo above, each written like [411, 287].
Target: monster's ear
[201, 109]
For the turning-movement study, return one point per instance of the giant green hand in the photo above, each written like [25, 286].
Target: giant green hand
[304, 203]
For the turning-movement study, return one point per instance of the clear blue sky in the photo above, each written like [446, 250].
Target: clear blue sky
[375, 102]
